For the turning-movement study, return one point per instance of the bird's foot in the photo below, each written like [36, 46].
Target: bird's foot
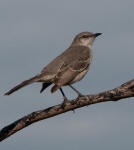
[77, 99]
[64, 103]
[80, 95]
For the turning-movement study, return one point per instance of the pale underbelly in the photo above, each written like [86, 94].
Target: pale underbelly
[79, 76]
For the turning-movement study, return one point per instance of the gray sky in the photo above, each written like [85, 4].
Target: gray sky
[32, 33]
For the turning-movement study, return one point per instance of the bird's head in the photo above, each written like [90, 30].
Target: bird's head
[85, 38]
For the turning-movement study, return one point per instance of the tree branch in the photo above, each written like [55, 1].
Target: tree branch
[124, 91]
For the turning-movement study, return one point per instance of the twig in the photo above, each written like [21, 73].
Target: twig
[124, 91]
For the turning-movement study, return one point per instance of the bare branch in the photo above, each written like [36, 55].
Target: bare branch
[124, 91]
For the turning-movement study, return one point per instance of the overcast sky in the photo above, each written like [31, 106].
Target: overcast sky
[32, 33]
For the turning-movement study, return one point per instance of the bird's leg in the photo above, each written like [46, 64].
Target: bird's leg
[65, 99]
[64, 96]
[79, 94]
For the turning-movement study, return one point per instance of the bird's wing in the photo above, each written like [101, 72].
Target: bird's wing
[66, 58]
[69, 70]
[68, 73]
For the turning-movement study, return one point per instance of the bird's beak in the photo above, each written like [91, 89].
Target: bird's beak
[97, 34]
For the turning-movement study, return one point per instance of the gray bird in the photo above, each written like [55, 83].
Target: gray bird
[66, 69]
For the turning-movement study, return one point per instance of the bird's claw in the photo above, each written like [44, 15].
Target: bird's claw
[64, 103]
[73, 102]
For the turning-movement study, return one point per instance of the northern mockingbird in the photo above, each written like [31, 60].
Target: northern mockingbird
[69, 67]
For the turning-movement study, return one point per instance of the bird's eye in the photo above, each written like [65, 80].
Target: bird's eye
[85, 36]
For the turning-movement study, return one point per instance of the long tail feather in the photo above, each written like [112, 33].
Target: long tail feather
[24, 83]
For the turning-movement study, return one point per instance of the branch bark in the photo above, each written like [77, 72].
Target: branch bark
[126, 90]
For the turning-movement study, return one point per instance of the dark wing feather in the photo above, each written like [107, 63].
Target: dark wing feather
[44, 86]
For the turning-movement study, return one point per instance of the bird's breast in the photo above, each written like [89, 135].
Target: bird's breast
[79, 76]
